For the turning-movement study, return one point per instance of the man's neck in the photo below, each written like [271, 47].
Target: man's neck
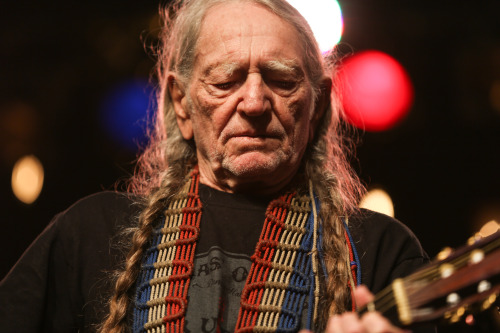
[252, 184]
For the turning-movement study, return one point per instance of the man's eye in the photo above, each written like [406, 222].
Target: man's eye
[223, 86]
[287, 85]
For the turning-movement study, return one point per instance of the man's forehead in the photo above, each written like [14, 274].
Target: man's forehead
[239, 22]
[234, 11]
[237, 35]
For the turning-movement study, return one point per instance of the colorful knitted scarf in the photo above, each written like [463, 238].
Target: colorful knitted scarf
[283, 274]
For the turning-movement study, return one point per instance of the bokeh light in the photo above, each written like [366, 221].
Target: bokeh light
[489, 228]
[124, 113]
[325, 19]
[378, 200]
[27, 179]
[376, 90]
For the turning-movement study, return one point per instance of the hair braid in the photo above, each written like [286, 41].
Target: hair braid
[336, 255]
[335, 295]
[327, 166]
[117, 321]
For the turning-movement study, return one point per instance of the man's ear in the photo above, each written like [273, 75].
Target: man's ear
[322, 103]
[179, 101]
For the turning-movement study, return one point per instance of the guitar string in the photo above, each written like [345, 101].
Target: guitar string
[435, 273]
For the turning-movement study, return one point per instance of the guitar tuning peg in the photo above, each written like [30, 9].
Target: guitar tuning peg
[483, 286]
[476, 256]
[455, 316]
[444, 253]
[452, 299]
[489, 301]
[477, 236]
[446, 270]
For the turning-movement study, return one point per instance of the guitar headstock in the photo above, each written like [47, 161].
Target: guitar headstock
[466, 281]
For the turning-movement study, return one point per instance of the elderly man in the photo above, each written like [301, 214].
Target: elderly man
[243, 209]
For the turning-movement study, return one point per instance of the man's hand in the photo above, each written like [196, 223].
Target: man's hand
[350, 322]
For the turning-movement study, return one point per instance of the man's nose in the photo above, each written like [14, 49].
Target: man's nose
[255, 97]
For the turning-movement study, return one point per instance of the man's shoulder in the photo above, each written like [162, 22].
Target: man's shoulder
[102, 211]
[103, 200]
[381, 234]
[370, 222]
[388, 249]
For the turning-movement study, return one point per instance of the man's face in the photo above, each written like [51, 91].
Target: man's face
[249, 102]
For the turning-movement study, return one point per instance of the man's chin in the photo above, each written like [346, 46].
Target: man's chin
[253, 165]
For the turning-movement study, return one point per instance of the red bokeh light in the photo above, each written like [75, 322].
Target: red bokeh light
[376, 90]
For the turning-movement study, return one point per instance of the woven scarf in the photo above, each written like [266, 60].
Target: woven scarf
[282, 277]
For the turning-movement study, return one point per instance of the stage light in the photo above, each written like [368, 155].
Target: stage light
[325, 19]
[376, 90]
[124, 113]
[379, 201]
[27, 179]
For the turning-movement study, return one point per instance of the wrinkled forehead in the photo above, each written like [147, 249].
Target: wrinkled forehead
[238, 26]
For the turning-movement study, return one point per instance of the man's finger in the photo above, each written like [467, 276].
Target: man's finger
[362, 296]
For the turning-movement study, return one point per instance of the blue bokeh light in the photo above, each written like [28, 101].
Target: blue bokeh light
[124, 113]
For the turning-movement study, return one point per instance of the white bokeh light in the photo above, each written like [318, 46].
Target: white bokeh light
[325, 19]
[379, 201]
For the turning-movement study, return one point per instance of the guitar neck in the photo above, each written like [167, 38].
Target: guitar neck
[466, 281]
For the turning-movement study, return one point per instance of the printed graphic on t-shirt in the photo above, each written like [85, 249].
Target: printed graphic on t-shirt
[215, 291]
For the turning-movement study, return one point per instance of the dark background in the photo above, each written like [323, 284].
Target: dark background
[440, 165]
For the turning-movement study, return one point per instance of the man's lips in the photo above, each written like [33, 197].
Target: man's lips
[252, 138]
[255, 134]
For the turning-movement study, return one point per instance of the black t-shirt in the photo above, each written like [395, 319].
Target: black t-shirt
[229, 230]
[63, 280]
